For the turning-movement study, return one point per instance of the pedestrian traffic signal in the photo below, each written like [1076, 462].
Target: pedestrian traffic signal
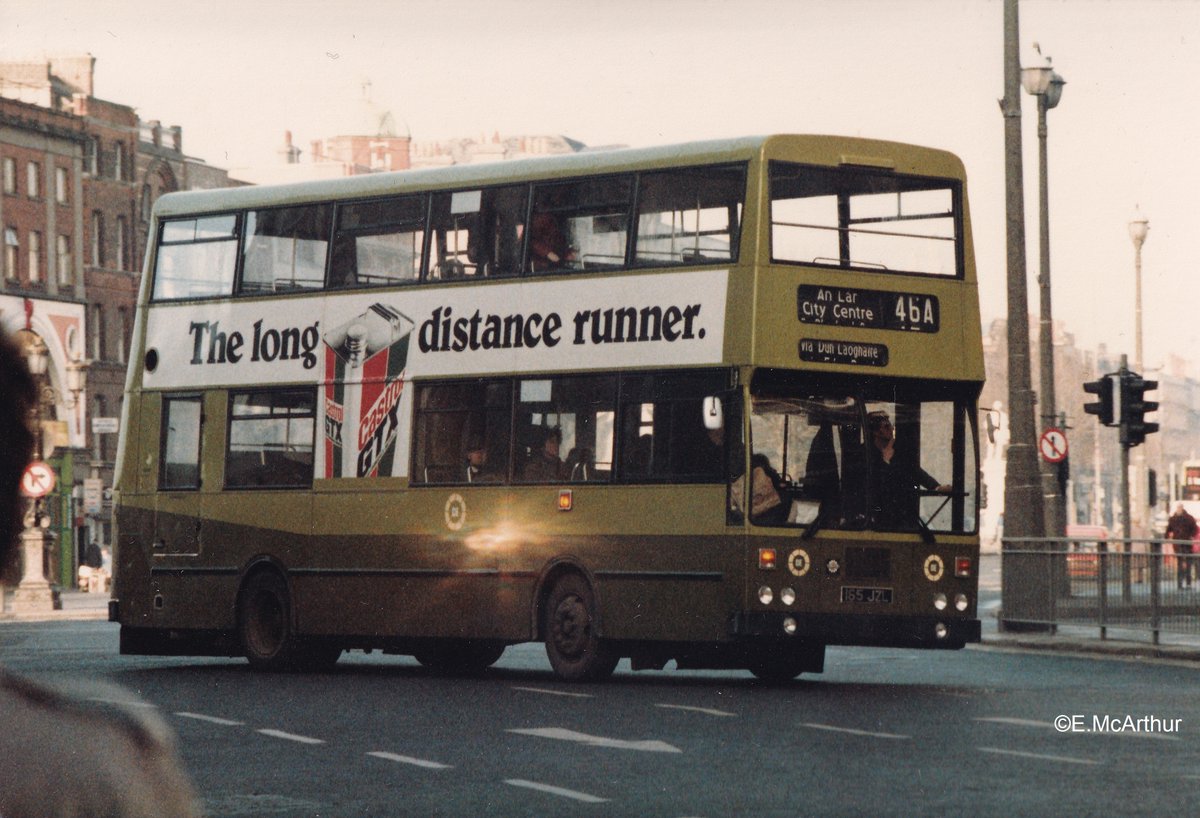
[1134, 408]
[1103, 389]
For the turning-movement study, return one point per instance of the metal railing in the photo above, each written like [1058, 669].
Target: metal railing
[1130, 584]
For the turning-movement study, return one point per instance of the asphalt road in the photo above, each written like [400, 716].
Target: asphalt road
[881, 732]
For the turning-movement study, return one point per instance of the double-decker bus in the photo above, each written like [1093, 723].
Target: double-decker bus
[712, 404]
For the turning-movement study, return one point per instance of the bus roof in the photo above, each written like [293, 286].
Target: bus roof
[834, 149]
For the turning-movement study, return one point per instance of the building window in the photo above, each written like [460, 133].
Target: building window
[10, 175]
[97, 238]
[119, 160]
[11, 248]
[33, 180]
[98, 333]
[123, 333]
[91, 156]
[122, 243]
[35, 256]
[66, 275]
[60, 185]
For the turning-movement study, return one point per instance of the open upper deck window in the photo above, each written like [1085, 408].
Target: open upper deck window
[379, 243]
[865, 218]
[196, 258]
[689, 216]
[285, 249]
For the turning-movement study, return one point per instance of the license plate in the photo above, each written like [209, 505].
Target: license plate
[851, 593]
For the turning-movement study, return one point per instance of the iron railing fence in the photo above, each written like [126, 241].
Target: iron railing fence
[1131, 584]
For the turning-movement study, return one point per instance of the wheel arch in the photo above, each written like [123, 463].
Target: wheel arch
[550, 574]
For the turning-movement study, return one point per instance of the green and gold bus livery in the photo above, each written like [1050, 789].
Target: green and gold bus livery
[712, 404]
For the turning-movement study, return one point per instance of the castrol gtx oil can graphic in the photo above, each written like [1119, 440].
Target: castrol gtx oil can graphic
[364, 376]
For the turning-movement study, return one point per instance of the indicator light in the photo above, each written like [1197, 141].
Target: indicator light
[566, 500]
[766, 559]
[962, 566]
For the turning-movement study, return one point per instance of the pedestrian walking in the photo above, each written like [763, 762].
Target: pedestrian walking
[1181, 530]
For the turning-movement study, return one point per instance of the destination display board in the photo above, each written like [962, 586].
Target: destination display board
[872, 309]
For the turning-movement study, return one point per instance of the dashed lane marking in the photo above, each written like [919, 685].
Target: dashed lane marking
[1037, 756]
[853, 732]
[292, 737]
[708, 711]
[416, 762]
[210, 719]
[587, 798]
[550, 692]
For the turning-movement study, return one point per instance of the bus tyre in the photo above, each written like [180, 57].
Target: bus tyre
[265, 627]
[778, 668]
[460, 657]
[576, 653]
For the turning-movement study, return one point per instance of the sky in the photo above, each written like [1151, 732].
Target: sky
[237, 75]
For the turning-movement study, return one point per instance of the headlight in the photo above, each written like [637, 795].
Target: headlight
[961, 602]
[789, 625]
[765, 595]
[787, 596]
[939, 601]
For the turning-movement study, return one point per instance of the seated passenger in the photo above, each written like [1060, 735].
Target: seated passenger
[548, 244]
[544, 464]
[476, 466]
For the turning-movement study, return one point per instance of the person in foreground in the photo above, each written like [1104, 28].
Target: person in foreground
[70, 756]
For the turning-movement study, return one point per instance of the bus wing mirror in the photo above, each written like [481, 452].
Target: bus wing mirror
[714, 413]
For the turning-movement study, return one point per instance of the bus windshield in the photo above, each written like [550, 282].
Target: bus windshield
[884, 457]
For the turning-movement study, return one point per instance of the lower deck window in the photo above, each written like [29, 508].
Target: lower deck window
[271, 439]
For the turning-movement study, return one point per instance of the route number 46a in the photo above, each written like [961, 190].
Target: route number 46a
[915, 310]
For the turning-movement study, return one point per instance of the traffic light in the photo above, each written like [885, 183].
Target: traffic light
[1134, 408]
[1103, 389]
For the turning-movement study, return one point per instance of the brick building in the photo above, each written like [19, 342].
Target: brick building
[80, 175]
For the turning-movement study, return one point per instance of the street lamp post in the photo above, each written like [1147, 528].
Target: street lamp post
[1139, 228]
[1044, 83]
[34, 593]
[1020, 582]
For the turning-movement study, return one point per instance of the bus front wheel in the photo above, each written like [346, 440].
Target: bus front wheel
[265, 627]
[576, 652]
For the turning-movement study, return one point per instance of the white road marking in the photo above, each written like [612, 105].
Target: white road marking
[1036, 756]
[852, 731]
[124, 703]
[563, 734]
[1016, 722]
[547, 788]
[292, 737]
[555, 692]
[211, 719]
[706, 710]
[416, 762]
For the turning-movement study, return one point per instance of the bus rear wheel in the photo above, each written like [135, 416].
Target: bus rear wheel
[265, 628]
[576, 652]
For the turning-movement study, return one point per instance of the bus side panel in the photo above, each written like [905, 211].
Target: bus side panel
[658, 570]
[383, 561]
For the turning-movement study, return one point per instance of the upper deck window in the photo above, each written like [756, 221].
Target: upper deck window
[865, 219]
[196, 258]
[580, 225]
[476, 233]
[689, 216]
[285, 249]
[379, 243]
